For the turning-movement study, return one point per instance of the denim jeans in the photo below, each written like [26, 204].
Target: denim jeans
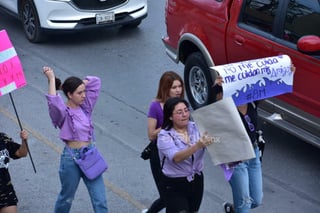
[246, 184]
[70, 175]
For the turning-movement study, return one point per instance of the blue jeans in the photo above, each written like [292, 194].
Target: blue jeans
[246, 184]
[70, 175]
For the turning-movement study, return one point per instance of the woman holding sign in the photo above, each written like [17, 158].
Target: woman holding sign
[10, 149]
[245, 178]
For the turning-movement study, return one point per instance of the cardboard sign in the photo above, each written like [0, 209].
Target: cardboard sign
[221, 120]
[258, 79]
[11, 72]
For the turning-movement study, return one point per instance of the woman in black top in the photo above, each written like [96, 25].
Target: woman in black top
[246, 178]
[9, 149]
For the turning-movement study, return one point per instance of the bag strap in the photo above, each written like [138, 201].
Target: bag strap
[90, 121]
[80, 150]
[70, 152]
[164, 157]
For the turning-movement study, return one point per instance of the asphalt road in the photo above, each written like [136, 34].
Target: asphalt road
[129, 62]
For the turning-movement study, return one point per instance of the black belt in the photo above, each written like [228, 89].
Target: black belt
[179, 179]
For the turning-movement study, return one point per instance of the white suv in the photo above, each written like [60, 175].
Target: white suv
[41, 16]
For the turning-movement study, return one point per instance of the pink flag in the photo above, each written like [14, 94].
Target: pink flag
[11, 73]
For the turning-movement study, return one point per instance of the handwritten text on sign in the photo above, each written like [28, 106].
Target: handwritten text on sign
[11, 73]
[258, 79]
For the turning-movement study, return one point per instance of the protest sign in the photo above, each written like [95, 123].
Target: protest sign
[257, 79]
[221, 120]
[11, 73]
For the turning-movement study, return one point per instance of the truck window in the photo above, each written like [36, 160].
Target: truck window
[260, 14]
[302, 18]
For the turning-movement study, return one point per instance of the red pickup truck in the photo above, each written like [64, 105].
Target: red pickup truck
[206, 33]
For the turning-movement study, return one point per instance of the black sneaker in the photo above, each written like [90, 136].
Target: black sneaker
[228, 207]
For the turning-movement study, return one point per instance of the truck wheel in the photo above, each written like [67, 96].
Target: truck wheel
[198, 81]
[30, 21]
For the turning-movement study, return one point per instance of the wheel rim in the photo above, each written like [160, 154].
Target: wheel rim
[29, 20]
[198, 85]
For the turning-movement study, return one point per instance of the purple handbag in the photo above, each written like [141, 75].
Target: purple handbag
[91, 162]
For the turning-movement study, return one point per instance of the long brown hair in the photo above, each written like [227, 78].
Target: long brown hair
[165, 85]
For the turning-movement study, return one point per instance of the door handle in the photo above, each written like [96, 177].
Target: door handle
[239, 40]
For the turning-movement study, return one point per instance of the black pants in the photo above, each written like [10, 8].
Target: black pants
[182, 196]
[158, 204]
[7, 194]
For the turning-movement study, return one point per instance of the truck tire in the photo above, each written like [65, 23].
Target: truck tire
[198, 81]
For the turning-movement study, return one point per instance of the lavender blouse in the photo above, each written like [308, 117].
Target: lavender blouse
[75, 124]
[169, 143]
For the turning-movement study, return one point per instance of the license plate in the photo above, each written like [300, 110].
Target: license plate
[104, 17]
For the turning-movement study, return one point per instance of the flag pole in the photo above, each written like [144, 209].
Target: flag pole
[14, 107]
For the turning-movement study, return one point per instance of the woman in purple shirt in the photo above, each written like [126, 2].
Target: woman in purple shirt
[73, 118]
[181, 152]
[170, 85]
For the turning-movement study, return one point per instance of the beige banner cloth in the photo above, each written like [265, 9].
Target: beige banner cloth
[222, 121]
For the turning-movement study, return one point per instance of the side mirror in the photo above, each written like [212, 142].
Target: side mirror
[309, 44]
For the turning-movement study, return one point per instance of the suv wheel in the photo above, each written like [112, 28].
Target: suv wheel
[30, 21]
[198, 81]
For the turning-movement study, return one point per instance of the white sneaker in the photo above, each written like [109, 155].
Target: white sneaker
[144, 211]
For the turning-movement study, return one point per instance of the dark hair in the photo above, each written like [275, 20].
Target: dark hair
[69, 85]
[165, 85]
[168, 108]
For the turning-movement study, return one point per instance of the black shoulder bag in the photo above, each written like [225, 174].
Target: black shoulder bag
[146, 152]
